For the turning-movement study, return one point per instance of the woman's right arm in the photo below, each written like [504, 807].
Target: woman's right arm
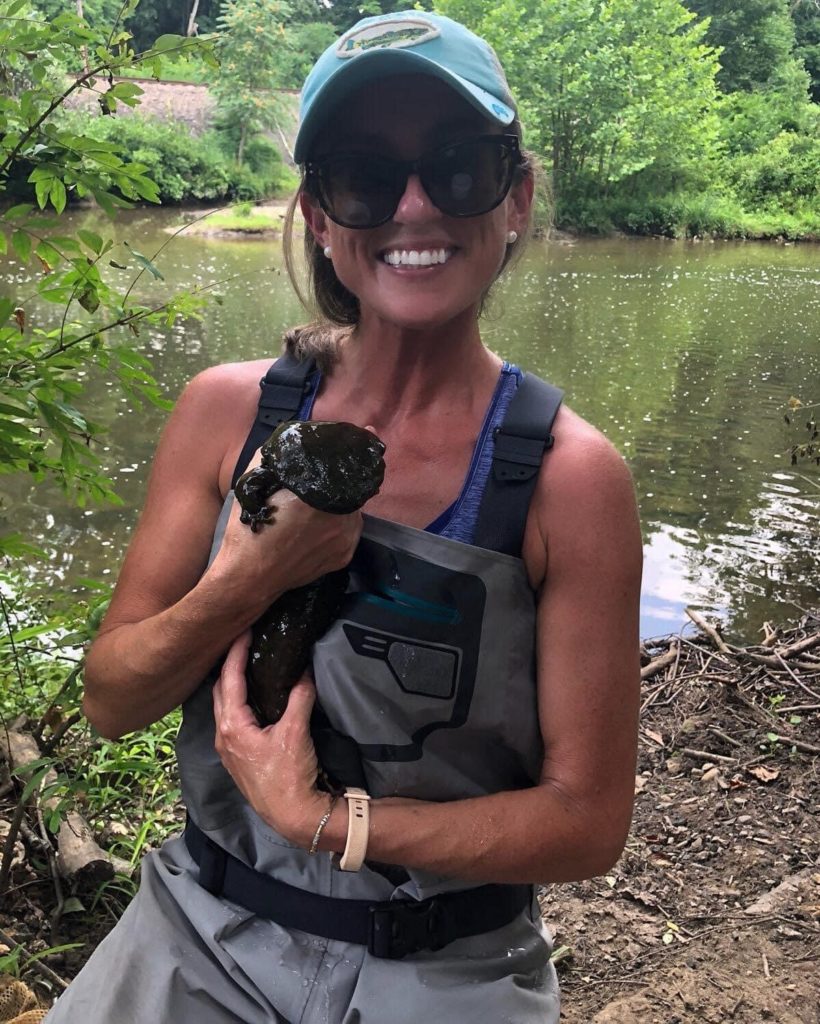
[172, 616]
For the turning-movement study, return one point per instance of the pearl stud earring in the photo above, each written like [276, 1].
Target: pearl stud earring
[512, 236]
[327, 251]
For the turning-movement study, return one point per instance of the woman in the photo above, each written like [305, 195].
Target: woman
[495, 741]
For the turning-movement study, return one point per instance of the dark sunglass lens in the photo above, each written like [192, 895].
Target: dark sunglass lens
[470, 177]
[358, 190]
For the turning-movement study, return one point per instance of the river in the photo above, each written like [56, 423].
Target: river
[684, 354]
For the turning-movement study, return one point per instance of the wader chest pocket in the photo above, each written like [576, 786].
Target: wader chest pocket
[407, 640]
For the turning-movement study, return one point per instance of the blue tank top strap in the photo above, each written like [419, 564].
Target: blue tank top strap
[306, 408]
[459, 520]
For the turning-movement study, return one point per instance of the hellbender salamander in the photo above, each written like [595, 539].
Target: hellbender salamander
[335, 467]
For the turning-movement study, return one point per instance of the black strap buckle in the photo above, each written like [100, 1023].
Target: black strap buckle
[517, 457]
[399, 927]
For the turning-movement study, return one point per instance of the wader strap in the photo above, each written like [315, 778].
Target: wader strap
[390, 929]
[520, 444]
[283, 388]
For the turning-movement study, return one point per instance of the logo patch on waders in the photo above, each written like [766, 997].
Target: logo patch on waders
[412, 630]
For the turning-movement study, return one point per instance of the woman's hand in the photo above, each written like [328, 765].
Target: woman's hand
[296, 547]
[275, 767]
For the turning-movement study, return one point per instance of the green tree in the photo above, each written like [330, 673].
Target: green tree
[806, 17]
[153, 18]
[43, 427]
[255, 49]
[756, 38]
[605, 86]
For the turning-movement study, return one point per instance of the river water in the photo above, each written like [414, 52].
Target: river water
[684, 354]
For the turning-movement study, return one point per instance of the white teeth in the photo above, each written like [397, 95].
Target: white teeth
[416, 258]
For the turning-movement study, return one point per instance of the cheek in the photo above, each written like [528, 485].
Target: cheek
[351, 256]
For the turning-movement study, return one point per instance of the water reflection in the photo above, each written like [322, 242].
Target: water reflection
[684, 355]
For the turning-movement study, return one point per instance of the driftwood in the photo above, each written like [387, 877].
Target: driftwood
[78, 855]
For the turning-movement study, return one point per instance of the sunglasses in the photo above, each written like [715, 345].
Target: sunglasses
[462, 179]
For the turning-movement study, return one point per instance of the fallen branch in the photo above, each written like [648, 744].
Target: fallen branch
[657, 664]
[707, 755]
[807, 748]
[710, 631]
[78, 853]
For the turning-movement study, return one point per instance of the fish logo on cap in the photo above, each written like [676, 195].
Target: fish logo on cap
[393, 34]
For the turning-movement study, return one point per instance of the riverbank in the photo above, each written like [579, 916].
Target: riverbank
[239, 221]
[173, 129]
[712, 913]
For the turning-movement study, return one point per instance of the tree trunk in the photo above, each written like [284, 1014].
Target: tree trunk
[84, 48]
[240, 153]
[191, 30]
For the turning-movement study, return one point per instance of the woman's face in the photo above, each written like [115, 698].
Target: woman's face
[404, 118]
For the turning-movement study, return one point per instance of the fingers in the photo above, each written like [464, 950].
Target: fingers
[231, 689]
[300, 702]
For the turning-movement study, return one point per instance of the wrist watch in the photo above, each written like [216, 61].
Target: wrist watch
[358, 828]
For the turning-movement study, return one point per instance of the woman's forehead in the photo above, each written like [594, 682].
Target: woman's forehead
[403, 110]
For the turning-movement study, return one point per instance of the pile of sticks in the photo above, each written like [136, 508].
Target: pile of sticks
[777, 679]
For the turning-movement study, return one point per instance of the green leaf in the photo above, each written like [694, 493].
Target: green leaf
[58, 195]
[92, 240]
[21, 210]
[47, 253]
[89, 299]
[14, 546]
[3, 244]
[144, 262]
[21, 242]
[41, 190]
[72, 905]
[66, 242]
[168, 42]
[34, 782]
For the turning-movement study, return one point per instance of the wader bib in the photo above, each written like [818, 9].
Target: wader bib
[430, 670]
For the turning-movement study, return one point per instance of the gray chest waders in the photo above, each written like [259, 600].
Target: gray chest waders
[426, 684]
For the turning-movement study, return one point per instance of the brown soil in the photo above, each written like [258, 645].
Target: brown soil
[711, 916]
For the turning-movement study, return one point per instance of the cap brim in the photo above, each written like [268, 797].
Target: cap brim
[358, 71]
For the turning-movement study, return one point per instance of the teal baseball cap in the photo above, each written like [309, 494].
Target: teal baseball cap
[407, 42]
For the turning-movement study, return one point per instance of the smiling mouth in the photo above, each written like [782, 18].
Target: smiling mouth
[416, 257]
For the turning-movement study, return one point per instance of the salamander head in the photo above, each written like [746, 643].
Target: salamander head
[335, 467]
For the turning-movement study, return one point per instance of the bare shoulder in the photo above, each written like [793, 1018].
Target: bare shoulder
[211, 418]
[584, 501]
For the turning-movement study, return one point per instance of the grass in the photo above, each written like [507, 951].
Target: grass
[242, 219]
[689, 216]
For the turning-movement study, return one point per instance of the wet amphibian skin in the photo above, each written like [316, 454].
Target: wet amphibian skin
[335, 467]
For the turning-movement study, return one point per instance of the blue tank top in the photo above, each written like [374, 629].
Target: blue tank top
[457, 522]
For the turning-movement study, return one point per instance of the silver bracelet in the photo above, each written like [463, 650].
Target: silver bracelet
[314, 846]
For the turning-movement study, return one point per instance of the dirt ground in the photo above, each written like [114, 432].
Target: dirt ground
[712, 915]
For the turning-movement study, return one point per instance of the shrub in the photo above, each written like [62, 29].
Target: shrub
[782, 174]
[190, 168]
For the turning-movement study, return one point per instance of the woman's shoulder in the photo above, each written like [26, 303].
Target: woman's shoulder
[211, 420]
[227, 383]
[584, 471]
[585, 495]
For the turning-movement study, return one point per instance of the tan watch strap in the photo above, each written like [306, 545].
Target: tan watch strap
[358, 829]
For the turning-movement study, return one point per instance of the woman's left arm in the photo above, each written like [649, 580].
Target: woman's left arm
[583, 552]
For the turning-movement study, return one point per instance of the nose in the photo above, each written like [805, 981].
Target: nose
[415, 205]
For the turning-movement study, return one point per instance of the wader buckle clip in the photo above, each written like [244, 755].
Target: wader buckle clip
[399, 927]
